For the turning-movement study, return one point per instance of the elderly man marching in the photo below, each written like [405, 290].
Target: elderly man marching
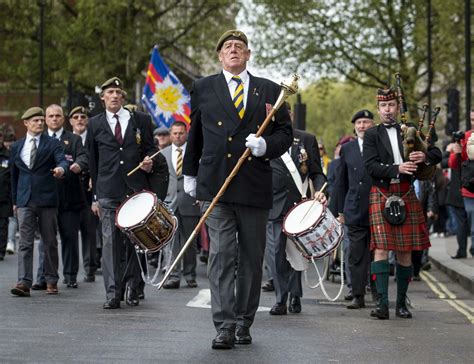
[392, 178]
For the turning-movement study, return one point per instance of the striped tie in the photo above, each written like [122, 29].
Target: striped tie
[238, 98]
[33, 152]
[179, 162]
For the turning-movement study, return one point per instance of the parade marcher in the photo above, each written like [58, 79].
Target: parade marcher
[8, 140]
[162, 137]
[291, 175]
[184, 207]
[71, 195]
[392, 177]
[459, 155]
[226, 111]
[37, 159]
[118, 141]
[88, 222]
[5, 196]
[352, 195]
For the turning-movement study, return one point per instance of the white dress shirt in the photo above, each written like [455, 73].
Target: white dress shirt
[124, 117]
[58, 133]
[392, 135]
[232, 85]
[361, 145]
[83, 137]
[26, 151]
[174, 154]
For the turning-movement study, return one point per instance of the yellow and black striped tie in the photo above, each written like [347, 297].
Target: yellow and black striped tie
[179, 162]
[238, 98]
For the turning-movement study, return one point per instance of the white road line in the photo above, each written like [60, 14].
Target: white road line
[203, 300]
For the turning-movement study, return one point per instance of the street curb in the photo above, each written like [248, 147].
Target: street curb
[464, 281]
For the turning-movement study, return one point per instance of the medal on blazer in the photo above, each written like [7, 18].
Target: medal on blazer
[138, 136]
[302, 158]
[66, 142]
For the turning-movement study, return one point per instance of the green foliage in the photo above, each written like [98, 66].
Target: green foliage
[89, 41]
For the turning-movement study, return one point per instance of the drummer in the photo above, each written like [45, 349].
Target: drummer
[118, 142]
[292, 173]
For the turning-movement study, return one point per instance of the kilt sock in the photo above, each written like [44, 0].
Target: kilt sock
[403, 275]
[380, 272]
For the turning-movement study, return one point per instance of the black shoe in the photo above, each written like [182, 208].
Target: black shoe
[111, 304]
[426, 266]
[278, 309]
[349, 297]
[381, 312]
[89, 278]
[171, 285]
[242, 335]
[132, 297]
[402, 311]
[71, 284]
[357, 302]
[141, 295]
[416, 278]
[2, 257]
[39, 286]
[224, 339]
[192, 283]
[268, 286]
[295, 304]
[458, 256]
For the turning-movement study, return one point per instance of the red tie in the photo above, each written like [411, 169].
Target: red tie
[118, 130]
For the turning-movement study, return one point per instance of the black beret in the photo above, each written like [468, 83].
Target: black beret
[366, 114]
[32, 111]
[77, 109]
[231, 34]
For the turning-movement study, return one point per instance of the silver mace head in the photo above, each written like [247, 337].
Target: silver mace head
[288, 87]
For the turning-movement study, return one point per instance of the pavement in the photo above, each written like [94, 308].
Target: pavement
[459, 270]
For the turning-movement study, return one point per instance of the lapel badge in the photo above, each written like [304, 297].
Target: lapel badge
[66, 142]
[303, 156]
[138, 136]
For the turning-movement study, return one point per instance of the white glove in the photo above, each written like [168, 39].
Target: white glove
[189, 185]
[258, 146]
[470, 147]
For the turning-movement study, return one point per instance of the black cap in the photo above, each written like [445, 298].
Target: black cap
[366, 114]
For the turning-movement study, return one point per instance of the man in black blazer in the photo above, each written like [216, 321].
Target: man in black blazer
[392, 176]
[118, 141]
[292, 174]
[226, 111]
[351, 193]
[72, 198]
[36, 160]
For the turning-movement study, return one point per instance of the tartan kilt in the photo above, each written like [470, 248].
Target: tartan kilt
[411, 235]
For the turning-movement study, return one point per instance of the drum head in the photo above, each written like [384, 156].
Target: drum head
[135, 209]
[295, 223]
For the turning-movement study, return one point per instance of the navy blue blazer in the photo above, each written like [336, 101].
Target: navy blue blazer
[37, 185]
[353, 185]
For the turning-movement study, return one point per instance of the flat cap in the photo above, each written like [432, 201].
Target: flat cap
[231, 34]
[112, 82]
[366, 114]
[163, 130]
[77, 109]
[32, 111]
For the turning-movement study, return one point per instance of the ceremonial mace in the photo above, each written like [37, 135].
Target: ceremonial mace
[288, 88]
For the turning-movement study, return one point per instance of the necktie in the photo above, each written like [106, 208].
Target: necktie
[179, 162]
[118, 130]
[238, 98]
[54, 135]
[33, 152]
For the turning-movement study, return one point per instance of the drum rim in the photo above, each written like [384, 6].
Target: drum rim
[155, 199]
[309, 228]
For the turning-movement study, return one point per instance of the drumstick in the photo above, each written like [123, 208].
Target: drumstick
[316, 195]
[141, 164]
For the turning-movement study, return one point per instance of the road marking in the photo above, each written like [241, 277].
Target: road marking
[203, 300]
[447, 295]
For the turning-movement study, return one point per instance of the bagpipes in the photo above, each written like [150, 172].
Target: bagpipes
[413, 138]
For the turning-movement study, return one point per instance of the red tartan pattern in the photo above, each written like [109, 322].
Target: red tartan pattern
[411, 235]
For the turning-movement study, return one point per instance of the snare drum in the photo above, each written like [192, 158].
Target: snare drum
[313, 228]
[146, 221]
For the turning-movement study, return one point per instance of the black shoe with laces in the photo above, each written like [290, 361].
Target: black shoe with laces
[224, 339]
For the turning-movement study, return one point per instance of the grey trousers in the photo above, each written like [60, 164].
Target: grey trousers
[186, 225]
[46, 217]
[285, 278]
[237, 245]
[119, 262]
[88, 227]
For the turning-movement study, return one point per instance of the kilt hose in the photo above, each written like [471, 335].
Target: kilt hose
[411, 235]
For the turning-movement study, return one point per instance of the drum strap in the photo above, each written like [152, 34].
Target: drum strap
[290, 164]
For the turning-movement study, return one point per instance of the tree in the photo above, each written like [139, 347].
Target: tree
[87, 41]
[366, 41]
